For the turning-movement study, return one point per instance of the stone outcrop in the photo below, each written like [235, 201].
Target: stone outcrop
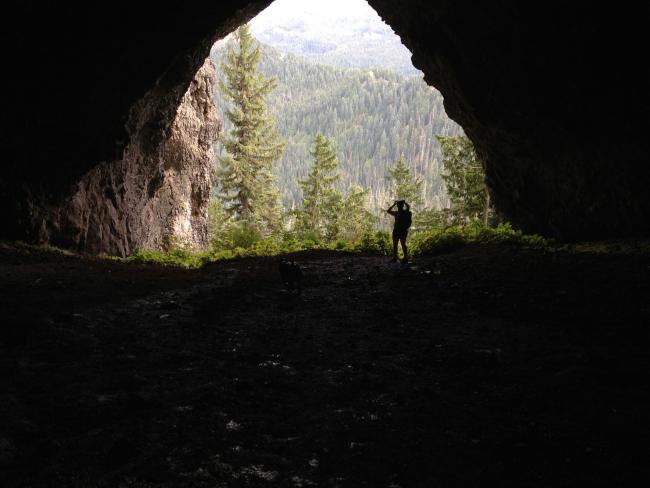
[108, 124]
[553, 94]
[157, 194]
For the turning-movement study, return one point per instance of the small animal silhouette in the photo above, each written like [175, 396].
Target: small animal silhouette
[291, 275]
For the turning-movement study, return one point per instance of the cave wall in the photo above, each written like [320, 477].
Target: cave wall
[154, 197]
[107, 123]
[553, 94]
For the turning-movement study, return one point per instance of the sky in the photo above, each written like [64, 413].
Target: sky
[326, 9]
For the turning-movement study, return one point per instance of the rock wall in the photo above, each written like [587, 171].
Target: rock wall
[157, 194]
[554, 99]
[105, 124]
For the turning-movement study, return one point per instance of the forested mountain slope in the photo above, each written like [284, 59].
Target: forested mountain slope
[373, 117]
[344, 33]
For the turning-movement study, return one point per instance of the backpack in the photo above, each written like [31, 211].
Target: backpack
[403, 220]
[407, 219]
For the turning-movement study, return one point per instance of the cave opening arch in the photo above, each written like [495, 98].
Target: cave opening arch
[552, 96]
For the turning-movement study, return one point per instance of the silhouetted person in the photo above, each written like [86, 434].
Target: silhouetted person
[402, 218]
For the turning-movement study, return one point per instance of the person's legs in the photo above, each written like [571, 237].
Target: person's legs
[395, 241]
[402, 241]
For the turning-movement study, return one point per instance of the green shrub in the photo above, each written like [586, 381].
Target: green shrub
[433, 241]
[375, 242]
[180, 257]
[222, 255]
[310, 238]
[438, 241]
[237, 234]
[266, 247]
[342, 246]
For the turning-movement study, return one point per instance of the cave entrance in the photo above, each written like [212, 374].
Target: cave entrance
[341, 72]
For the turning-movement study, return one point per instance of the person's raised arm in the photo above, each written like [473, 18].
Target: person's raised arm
[408, 207]
[390, 209]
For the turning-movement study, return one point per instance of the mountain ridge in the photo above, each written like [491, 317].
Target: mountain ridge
[347, 34]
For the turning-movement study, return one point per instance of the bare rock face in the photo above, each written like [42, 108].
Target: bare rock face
[157, 195]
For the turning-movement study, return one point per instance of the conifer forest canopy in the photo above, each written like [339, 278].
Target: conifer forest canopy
[107, 124]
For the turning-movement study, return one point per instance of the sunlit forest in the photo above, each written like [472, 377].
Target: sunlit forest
[316, 155]
[372, 116]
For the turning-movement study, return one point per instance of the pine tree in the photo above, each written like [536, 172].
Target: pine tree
[464, 177]
[404, 186]
[354, 217]
[339, 103]
[321, 201]
[217, 220]
[248, 188]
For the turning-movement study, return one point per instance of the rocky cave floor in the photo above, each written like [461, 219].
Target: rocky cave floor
[488, 366]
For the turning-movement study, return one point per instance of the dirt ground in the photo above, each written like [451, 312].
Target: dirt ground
[488, 366]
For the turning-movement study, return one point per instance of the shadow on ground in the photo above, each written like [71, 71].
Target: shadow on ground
[488, 366]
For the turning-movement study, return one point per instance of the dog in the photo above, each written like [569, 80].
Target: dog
[291, 275]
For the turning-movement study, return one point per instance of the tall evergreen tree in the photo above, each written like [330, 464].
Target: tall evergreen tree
[405, 186]
[321, 201]
[464, 177]
[248, 188]
[373, 117]
[354, 218]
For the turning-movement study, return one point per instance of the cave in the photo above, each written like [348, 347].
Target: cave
[553, 97]
[486, 366]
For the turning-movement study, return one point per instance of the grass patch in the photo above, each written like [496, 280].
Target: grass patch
[178, 257]
[438, 241]
[434, 241]
[371, 242]
[36, 248]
